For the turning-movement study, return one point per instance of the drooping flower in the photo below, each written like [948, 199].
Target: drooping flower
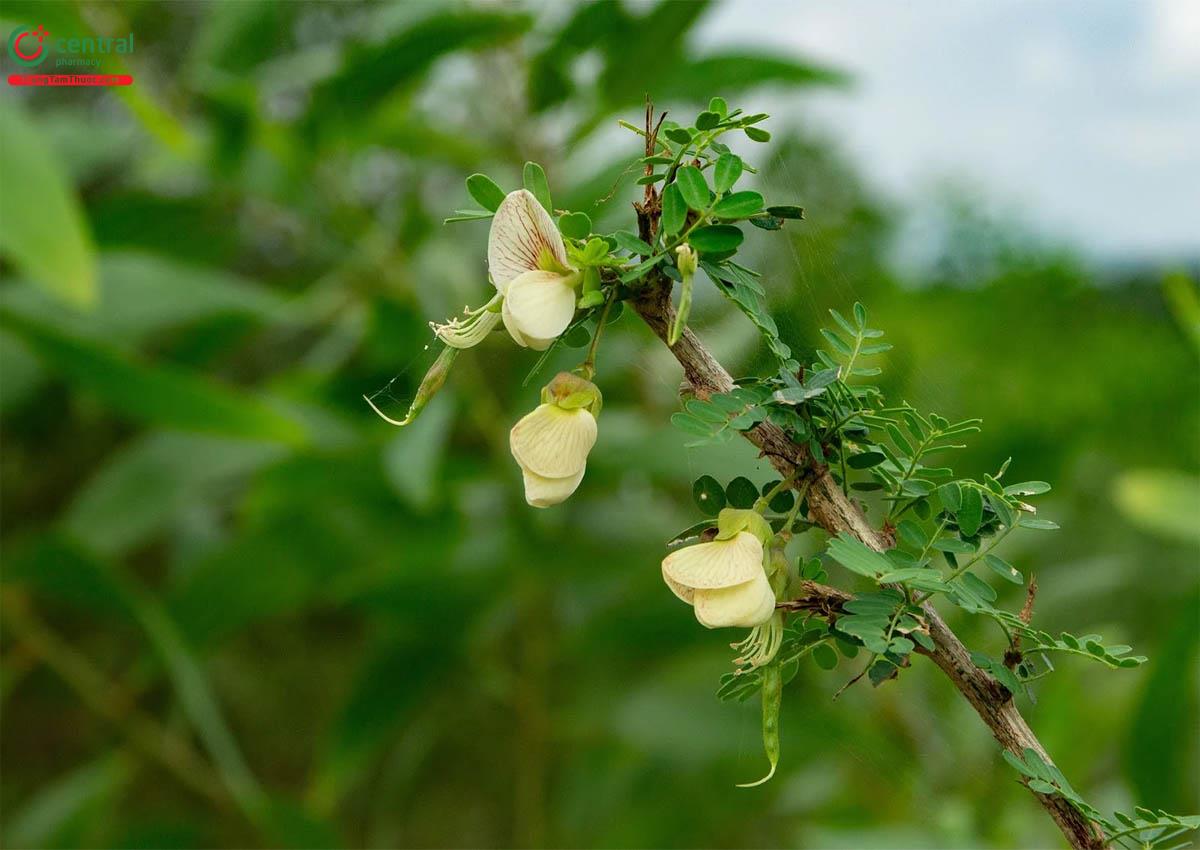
[551, 444]
[724, 580]
[528, 263]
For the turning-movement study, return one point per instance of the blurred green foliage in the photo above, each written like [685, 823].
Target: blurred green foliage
[239, 610]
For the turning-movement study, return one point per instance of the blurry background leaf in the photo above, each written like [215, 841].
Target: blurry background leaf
[413, 457]
[64, 572]
[150, 482]
[49, 819]
[734, 73]
[143, 294]
[373, 71]
[391, 684]
[155, 393]
[1161, 502]
[42, 227]
[1158, 755]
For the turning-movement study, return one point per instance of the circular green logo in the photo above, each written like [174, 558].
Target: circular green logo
[28, 46]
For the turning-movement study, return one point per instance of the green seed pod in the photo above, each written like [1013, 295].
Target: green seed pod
[430, 384]
[772, 698]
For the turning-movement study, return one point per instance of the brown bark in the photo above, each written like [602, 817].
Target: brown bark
[829, 508]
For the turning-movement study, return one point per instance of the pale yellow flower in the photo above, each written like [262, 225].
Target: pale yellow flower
[528, 263]
[723, 580]
[552, 443]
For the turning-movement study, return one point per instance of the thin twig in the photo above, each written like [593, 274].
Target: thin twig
[154, 740]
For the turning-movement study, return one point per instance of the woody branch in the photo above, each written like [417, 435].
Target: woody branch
[830, 509]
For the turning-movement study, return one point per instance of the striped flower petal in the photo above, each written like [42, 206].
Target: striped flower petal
[522, 232]
[720, 563]
[552, 442]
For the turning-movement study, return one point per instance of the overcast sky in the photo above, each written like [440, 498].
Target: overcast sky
[1084, 112]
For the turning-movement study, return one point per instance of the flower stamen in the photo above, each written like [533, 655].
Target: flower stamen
[473, 327]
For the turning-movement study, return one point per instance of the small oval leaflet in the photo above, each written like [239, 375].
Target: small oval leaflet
[708, 495]
[727, 171]
[865, 460]
[716, 237]
[783, 500]
[674, 210]
[679, 134]
[766, 222]
[825, 657]
[738, 205]
[970, 512]
[575, 225]
[534, 179]
[691, 183]
[484, 190]
[741, 493]
[789, 211]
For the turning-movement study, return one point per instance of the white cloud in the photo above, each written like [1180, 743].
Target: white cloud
[1085, 114]
[1175, 38]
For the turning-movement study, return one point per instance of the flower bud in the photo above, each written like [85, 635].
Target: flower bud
[571, 391]
[686, 260]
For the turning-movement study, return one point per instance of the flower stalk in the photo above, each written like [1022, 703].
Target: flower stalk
[587, 369]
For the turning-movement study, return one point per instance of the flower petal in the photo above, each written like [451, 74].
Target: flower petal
[521, 231]
[523, 340]
[540, 304]
[743, 605]
[552, 442]
[681, 591]
[543, 492]
[510, 325]
[721, 563]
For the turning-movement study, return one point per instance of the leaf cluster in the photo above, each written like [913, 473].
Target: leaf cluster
[1142, 830]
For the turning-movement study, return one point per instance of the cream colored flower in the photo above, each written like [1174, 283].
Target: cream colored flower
[723, 580]
[528, 263]
[551, 444]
